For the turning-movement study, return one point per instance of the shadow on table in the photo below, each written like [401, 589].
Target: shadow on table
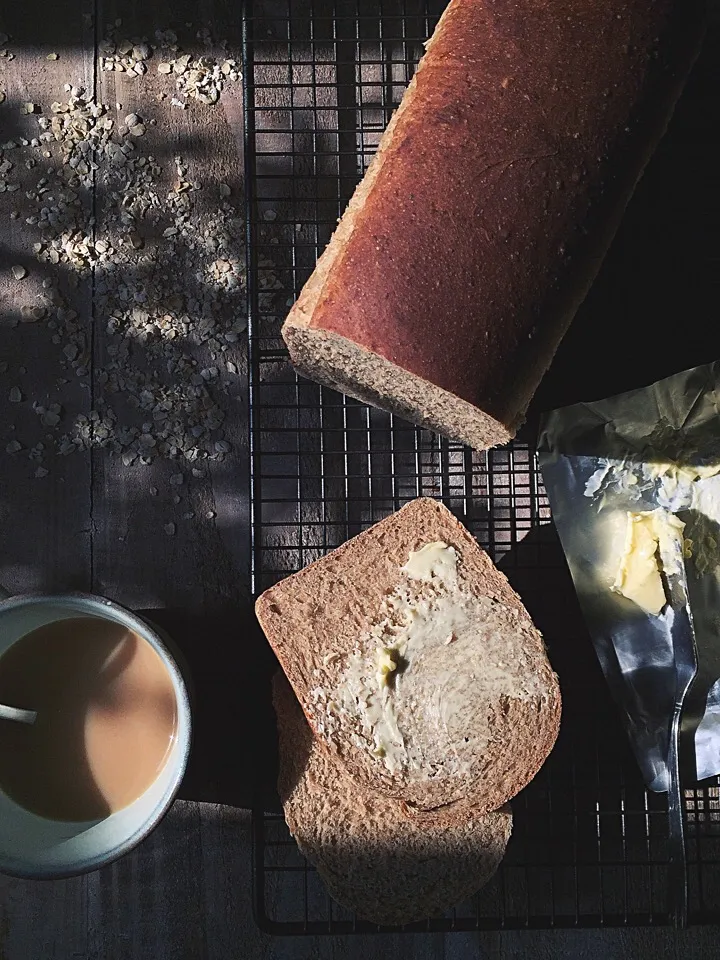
[651, 311]
[585, 818]
[537, 570]
[229, 665]
[234, 753]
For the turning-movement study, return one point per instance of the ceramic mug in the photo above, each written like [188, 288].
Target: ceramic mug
[32, 846]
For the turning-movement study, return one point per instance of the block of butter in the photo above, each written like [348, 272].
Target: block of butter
[634, 487]
[653, 547]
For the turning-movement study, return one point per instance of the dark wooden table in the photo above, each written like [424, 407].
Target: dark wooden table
[94, 523]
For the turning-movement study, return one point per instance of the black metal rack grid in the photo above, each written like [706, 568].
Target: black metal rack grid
[589, 845]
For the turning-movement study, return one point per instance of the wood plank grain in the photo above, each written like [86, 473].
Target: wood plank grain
[44, 525]
[43, 919]
[44, 530]
[201, 564]
[172, 536]
[150, 903]
[189, 573]
[186, 891]
[227, 882]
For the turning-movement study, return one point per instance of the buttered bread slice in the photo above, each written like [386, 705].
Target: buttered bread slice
[416, 663]
[374, 858]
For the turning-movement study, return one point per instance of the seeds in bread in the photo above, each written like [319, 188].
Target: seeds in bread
[467, 707]
[374, 858]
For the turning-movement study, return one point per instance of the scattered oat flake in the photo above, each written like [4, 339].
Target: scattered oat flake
[52, 56]
[211, 514]
[2, 96]
[13, 447]
[176, 303]
[153, 491]
[169, 529]
[19, 272]
[15, 395]
[41, 472]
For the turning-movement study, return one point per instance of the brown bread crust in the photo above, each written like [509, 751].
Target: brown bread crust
[375, 858]
[314, 619]
[495, 194]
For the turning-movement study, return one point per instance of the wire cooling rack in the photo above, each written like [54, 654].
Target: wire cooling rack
[589, 846]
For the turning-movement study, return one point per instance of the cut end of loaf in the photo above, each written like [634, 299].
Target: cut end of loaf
[339, 363]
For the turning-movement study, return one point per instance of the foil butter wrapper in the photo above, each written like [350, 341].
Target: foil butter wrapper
[634, 488]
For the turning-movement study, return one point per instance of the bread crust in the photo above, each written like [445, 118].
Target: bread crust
[374, 858]
[494, 195]
[314, 619]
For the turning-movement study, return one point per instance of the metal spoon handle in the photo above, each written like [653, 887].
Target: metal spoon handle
[14, 713]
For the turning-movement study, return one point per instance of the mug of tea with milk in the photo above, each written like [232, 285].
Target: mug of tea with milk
[94, 733]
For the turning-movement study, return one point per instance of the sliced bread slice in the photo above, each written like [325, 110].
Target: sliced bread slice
[374, 859]
[416, 663]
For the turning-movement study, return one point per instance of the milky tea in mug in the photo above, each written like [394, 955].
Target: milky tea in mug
[106, 718]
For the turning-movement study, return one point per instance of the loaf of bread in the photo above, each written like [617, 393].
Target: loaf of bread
[416, 664]
[375, 859]
[494, 195]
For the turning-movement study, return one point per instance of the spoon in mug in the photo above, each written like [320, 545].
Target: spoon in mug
[14, 713]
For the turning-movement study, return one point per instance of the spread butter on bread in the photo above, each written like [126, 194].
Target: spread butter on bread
[416, 663]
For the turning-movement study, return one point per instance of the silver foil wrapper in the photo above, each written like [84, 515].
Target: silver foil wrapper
[656, 449]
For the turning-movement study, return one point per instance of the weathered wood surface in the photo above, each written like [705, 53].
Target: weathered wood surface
[93, 523]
